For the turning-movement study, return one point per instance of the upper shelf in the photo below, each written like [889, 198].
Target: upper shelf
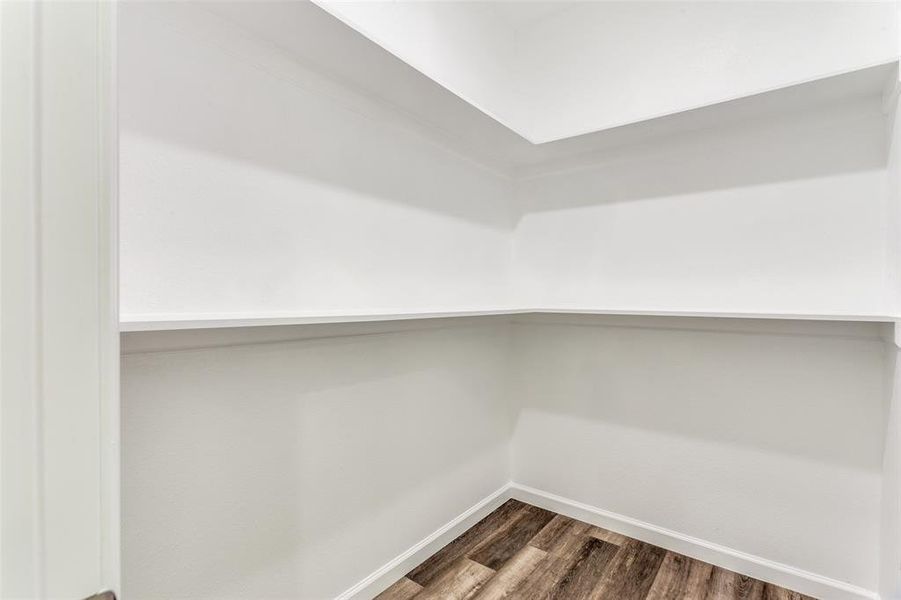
[552, 71]
[314, 38]
[172, 323]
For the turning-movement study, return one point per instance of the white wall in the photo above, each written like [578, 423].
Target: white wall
[252, 185]
[890, 542]
[769, 215]
[293, 469]
[890, 524]
[752, 435]
[253, 466]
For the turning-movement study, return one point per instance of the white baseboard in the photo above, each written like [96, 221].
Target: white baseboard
[381, 578]
[780, 574]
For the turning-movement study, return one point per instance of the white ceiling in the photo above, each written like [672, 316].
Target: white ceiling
[555, 70]
[518, 14]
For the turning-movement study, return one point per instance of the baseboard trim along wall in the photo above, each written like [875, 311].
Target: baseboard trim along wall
[384, 576]
[780, 574]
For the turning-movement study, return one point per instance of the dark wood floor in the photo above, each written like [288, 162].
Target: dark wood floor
[522, 551]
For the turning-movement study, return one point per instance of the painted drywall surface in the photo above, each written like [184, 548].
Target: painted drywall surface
[564, 69]
[744, 438]
[249, 184]
[781, 215]
[893, 207]
[890, 524]
[602, 64]
[295, 469]
[890, 542]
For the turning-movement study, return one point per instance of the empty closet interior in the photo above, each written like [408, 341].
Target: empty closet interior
[386, 265]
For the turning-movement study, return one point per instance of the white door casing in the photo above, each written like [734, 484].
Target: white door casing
[58, 312]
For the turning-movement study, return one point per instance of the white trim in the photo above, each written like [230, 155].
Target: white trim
[59, 341]
[21, 520]
[108, 318]
[384, 576]
[780, 574]
[812, 584]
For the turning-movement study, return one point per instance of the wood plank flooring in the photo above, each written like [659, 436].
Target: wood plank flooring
[522, 551]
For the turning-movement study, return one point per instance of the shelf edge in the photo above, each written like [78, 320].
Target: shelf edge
[147, 323]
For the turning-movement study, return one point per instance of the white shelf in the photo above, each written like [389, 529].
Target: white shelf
[875, 318]
[189, 322]
[478, 133]
[174, 323]
[558, 97]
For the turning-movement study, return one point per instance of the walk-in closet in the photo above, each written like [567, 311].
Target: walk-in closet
[454, 299]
